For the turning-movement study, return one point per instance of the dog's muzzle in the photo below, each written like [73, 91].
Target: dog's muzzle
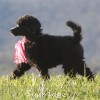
[15, 31]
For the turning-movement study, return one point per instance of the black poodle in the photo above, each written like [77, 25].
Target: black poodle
[46, 51]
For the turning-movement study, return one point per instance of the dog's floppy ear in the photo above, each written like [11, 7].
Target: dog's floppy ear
[34, 30]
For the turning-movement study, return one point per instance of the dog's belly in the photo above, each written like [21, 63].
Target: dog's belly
[51, 62]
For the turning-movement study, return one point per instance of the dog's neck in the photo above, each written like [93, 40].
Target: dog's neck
[33, 38]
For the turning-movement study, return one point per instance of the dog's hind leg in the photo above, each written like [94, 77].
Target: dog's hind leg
[44, 74]
[68, 70]
[83, 70]
[20, 69]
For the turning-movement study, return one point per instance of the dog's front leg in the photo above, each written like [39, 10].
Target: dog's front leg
[20, 69]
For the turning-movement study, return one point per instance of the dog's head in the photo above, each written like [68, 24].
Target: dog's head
[26, 25]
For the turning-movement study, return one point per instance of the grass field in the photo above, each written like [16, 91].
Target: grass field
[31, 87]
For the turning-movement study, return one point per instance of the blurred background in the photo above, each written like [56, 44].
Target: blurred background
[53, 15]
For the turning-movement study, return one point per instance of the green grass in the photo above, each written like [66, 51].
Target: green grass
[31, 87]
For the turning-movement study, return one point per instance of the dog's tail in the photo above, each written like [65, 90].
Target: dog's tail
[76, 30]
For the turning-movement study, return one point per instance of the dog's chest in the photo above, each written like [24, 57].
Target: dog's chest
[31, 50]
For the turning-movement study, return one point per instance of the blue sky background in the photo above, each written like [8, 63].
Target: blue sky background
[53, 15]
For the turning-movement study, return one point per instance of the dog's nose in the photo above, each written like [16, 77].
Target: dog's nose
[15, 31]
[11, 30]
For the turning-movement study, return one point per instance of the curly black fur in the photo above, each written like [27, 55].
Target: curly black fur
[47, 51]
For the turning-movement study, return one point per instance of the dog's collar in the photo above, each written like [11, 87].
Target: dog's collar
[26, 40]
